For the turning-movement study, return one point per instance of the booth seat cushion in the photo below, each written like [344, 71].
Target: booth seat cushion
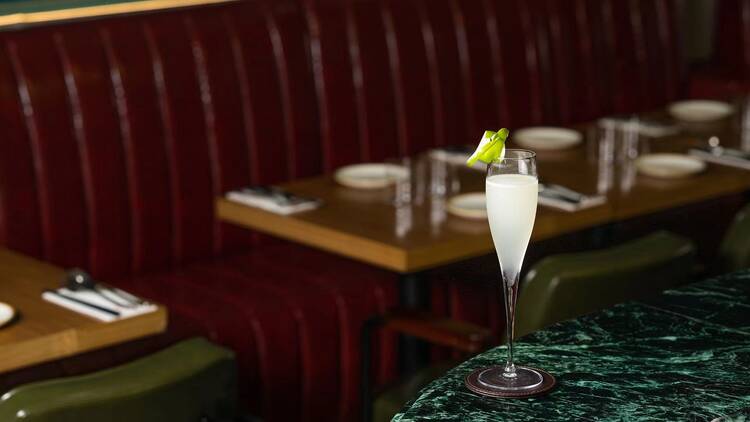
[294, 317]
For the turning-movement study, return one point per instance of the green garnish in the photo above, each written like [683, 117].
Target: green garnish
[491, 147]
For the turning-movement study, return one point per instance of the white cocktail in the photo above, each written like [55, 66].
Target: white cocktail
[512, 190]
[511, 210]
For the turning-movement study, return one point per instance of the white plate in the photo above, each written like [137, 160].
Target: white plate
[6, 313]
[469, 205]
[700, 110]
[669, 166]
[369, 176]
[546, 138]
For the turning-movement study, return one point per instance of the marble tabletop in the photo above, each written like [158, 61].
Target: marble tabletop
[681, 356]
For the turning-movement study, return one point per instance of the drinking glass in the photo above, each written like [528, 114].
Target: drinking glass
[512, 190]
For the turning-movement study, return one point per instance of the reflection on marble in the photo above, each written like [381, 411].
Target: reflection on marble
[682, 356]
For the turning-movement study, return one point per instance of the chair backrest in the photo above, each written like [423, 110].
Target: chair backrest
[565, 286]
[734, 252]
[119, 132]
[192, 381]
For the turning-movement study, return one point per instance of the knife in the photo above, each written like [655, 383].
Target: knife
[563, 192]
[83, 303]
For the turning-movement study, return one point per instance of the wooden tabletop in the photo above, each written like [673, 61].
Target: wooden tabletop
[364, 225]
[43, 331]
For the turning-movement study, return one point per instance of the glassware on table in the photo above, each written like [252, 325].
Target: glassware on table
[512, 191]
[408, 176]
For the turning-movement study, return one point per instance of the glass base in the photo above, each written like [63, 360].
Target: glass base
[495, 379]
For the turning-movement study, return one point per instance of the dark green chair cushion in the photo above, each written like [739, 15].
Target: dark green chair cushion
[734, 253]
[191, 381]
[565, 286]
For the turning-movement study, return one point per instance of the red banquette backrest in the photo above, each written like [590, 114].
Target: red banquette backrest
[118, 132]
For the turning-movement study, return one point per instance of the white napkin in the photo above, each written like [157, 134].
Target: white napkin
[547, 198]
[273, 204]
[721, 158]
[94, 298]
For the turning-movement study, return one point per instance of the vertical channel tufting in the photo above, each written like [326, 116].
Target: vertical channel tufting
[188, 152]
[259, 80]
[395, 65]
[440, 119]
[355, 56]
[496, 56]
[248, 121]
[588, 81]
[452, 91]
[20, 219]
[290, 41]
[602, 19]
[642, 68]
[520, 64]
[95, 127]
[559, 51]
[541, 21]
[479, 56]
[164, 112]
[132, 75]
[666, 28]
[531, 57]
[462, 44]
[221, 94]
[57, 163]
[409, 66]
[375, 111]
[209, 117]
[334, 83]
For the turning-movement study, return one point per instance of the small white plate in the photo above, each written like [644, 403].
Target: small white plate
[669, 166]
[469, 205]
[369, 176]
[700, 110]
[6, 314]
[546, 138]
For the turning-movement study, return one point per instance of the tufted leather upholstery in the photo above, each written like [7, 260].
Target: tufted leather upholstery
[119, 132]
[118, 135]
[728, 74]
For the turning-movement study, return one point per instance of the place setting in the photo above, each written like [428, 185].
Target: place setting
[82, 294]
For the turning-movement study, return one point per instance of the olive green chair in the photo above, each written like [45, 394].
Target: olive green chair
[192, 381]
[734, 252]
[565, 286]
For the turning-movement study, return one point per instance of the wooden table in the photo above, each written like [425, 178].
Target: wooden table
[364, 225]
[43, 331]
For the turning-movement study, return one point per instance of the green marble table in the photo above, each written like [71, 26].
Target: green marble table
[682, 356]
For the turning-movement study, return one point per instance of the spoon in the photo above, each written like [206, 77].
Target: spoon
[79, 280]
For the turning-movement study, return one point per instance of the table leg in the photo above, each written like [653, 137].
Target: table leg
[414, 293]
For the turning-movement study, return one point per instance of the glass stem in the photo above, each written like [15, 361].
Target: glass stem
[510, 290]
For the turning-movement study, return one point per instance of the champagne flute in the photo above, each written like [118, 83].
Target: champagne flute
[512, 190]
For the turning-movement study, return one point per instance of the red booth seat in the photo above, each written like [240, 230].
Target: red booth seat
[118, 133]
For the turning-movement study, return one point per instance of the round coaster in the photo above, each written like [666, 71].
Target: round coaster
[473, 384]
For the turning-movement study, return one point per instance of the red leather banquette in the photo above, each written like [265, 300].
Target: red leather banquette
[119, 132]
[728, 73]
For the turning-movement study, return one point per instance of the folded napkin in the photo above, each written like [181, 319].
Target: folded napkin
[273, 199]
[652, 129]
[562, 198]
[724, 156]
[456, 155]
[81, 302]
